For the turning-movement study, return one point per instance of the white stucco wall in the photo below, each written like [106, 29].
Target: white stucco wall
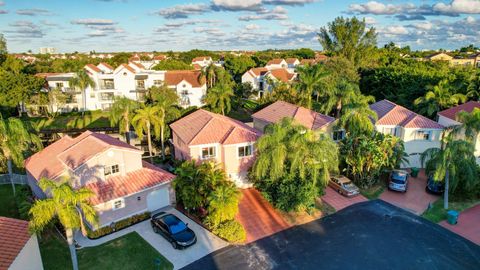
[29, 257]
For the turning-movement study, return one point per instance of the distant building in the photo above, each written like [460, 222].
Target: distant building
[48, 50]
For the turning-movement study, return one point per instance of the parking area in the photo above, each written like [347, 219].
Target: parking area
[206, 241]
[468, 224]
[338, 201]
[258, 216]
[416, 199]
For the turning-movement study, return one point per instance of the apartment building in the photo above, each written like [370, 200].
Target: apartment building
[131, 80]
[260, 77]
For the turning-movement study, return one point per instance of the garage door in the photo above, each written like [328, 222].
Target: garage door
[414, 160]
[158, 199]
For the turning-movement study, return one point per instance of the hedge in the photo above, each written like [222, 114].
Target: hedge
[231, 230]
[122, 224]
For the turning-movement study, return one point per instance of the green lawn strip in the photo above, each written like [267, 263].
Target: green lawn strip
[373, 192]
[130, 251]
[437, 213]
[8, 207]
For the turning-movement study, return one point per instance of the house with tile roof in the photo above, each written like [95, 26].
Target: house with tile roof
[312, 120]
[18, 248]
[292, 63]
[123, 184]
[259, 77]
[448, 118]
[202, 61]
[204, 135]
[276, 64]
[417, 132]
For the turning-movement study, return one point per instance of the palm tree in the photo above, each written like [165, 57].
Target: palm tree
[223, 204]
[15, 141]
[357, 116]
[166, 100]
[144, 120]
[438, 97]
[310, 78]
[70, 206]
[211, 75]
[190, 187]
[82, 81]
[452, 164]
[474, 86]
[470, 124]
[121, 113]
[219, 98]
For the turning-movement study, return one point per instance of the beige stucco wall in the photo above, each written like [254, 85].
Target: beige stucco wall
[29, 257]
[182, 151]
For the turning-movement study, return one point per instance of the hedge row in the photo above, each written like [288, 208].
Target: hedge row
[122, 224]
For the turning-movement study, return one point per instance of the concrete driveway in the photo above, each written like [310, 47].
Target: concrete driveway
[206, 241]
[416, 199]
[338, 201]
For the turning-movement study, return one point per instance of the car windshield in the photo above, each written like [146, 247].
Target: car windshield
[179, 227]
[175, 225]
[399, 178]
[348, 185]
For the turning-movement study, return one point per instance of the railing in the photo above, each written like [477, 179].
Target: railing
[107, 87]
[17, 179]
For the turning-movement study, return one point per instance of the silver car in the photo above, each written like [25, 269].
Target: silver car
[398, 180]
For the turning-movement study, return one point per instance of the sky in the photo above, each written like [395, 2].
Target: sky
[162, 25]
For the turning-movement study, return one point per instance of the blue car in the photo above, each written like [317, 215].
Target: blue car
[435, 187]
[173, 230]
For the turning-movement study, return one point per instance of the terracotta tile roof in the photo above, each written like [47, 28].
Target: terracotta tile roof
[174, 77]
[139, 65]
[276, 61]
[391, 114]
[13, 237]
[160, 57]
[321, 57]
[197, 67]
[132, 182]
[134, 58]
[259, 71]
[466, 107]
[203, 127]
[201, 58]
[291, 61]
[68, 152]
[308, 62]
[106, 65]
[93, 67]
[129, 68]
[46, 74]
[282, 74]
[281, 109]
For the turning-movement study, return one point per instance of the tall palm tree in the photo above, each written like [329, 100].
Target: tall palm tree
[474, 86]
[144, 120]
[211, 75]
[166, 100]
[470, 124]
[15, 141]
[71, 207]
[438, 97]
[121, 114]
[219, 98]
[223, 204]
[453, 163]
[82, 81]
[357, 116]
[310, 79]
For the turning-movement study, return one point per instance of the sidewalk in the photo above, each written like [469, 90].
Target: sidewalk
[468, 224]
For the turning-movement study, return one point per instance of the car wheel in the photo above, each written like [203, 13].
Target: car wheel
[174, 245]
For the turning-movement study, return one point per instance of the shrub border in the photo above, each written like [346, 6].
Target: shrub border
[146, 215]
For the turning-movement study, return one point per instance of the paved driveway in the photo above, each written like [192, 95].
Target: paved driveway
[468, 224]
[206, 241]
[415, 200]
[258, 216]
[338, 201]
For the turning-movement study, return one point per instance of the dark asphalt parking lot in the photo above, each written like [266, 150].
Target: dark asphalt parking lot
[369, 235]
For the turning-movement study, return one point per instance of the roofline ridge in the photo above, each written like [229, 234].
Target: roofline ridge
[204, 126]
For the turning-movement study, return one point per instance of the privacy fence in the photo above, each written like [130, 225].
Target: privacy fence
[17, 179]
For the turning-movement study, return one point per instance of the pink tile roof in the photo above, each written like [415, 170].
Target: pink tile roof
[132, 182]
[71, 153]
[291, 61]
[391, 114]
[201, 58]
[93, 67]
[259, 71]
[203, 127]
[13, 237]
[276, 61]
[281, 109]
[466, 107]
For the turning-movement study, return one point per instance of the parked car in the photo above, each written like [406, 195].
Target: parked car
[398, 180]
[434, 187]
[173, 229]
[343, 185]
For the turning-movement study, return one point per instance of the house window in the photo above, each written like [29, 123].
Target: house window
[422, 135]
[184, 92]
[111, 169]
[338, 135]
[389, 131]
[118, 204]
[208, 152]
[59, 85]
[245, 151]
[157, 82]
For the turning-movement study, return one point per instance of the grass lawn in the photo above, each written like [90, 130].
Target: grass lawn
[91, 119]
[130, 251]
[373, 192]
[437, 213]
[8, 207]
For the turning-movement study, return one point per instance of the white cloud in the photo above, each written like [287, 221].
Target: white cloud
[93, 21]
[33, 12]
[393, 30]
[377, 8]
[183, 11]
[424, 25]
[252, 27]
[459, 6]
[370, 20]
[288, 2]
[235, 5]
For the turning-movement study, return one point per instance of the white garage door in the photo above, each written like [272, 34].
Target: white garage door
[158, 199]
[414, 160]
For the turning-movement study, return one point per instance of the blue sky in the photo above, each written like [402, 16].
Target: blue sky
[147, 25]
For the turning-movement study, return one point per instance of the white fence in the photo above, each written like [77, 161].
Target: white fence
[17, 179]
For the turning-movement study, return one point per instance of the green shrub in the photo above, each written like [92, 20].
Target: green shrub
[231, 230]
[117, 225]
[23, 200]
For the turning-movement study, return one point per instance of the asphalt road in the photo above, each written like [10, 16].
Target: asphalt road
[369, 235]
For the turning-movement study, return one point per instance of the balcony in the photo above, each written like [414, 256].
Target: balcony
[107, 85]
[106, 97]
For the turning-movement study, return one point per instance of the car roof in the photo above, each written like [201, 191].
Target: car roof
[341, 178]
[400, 172]
[170, 219]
